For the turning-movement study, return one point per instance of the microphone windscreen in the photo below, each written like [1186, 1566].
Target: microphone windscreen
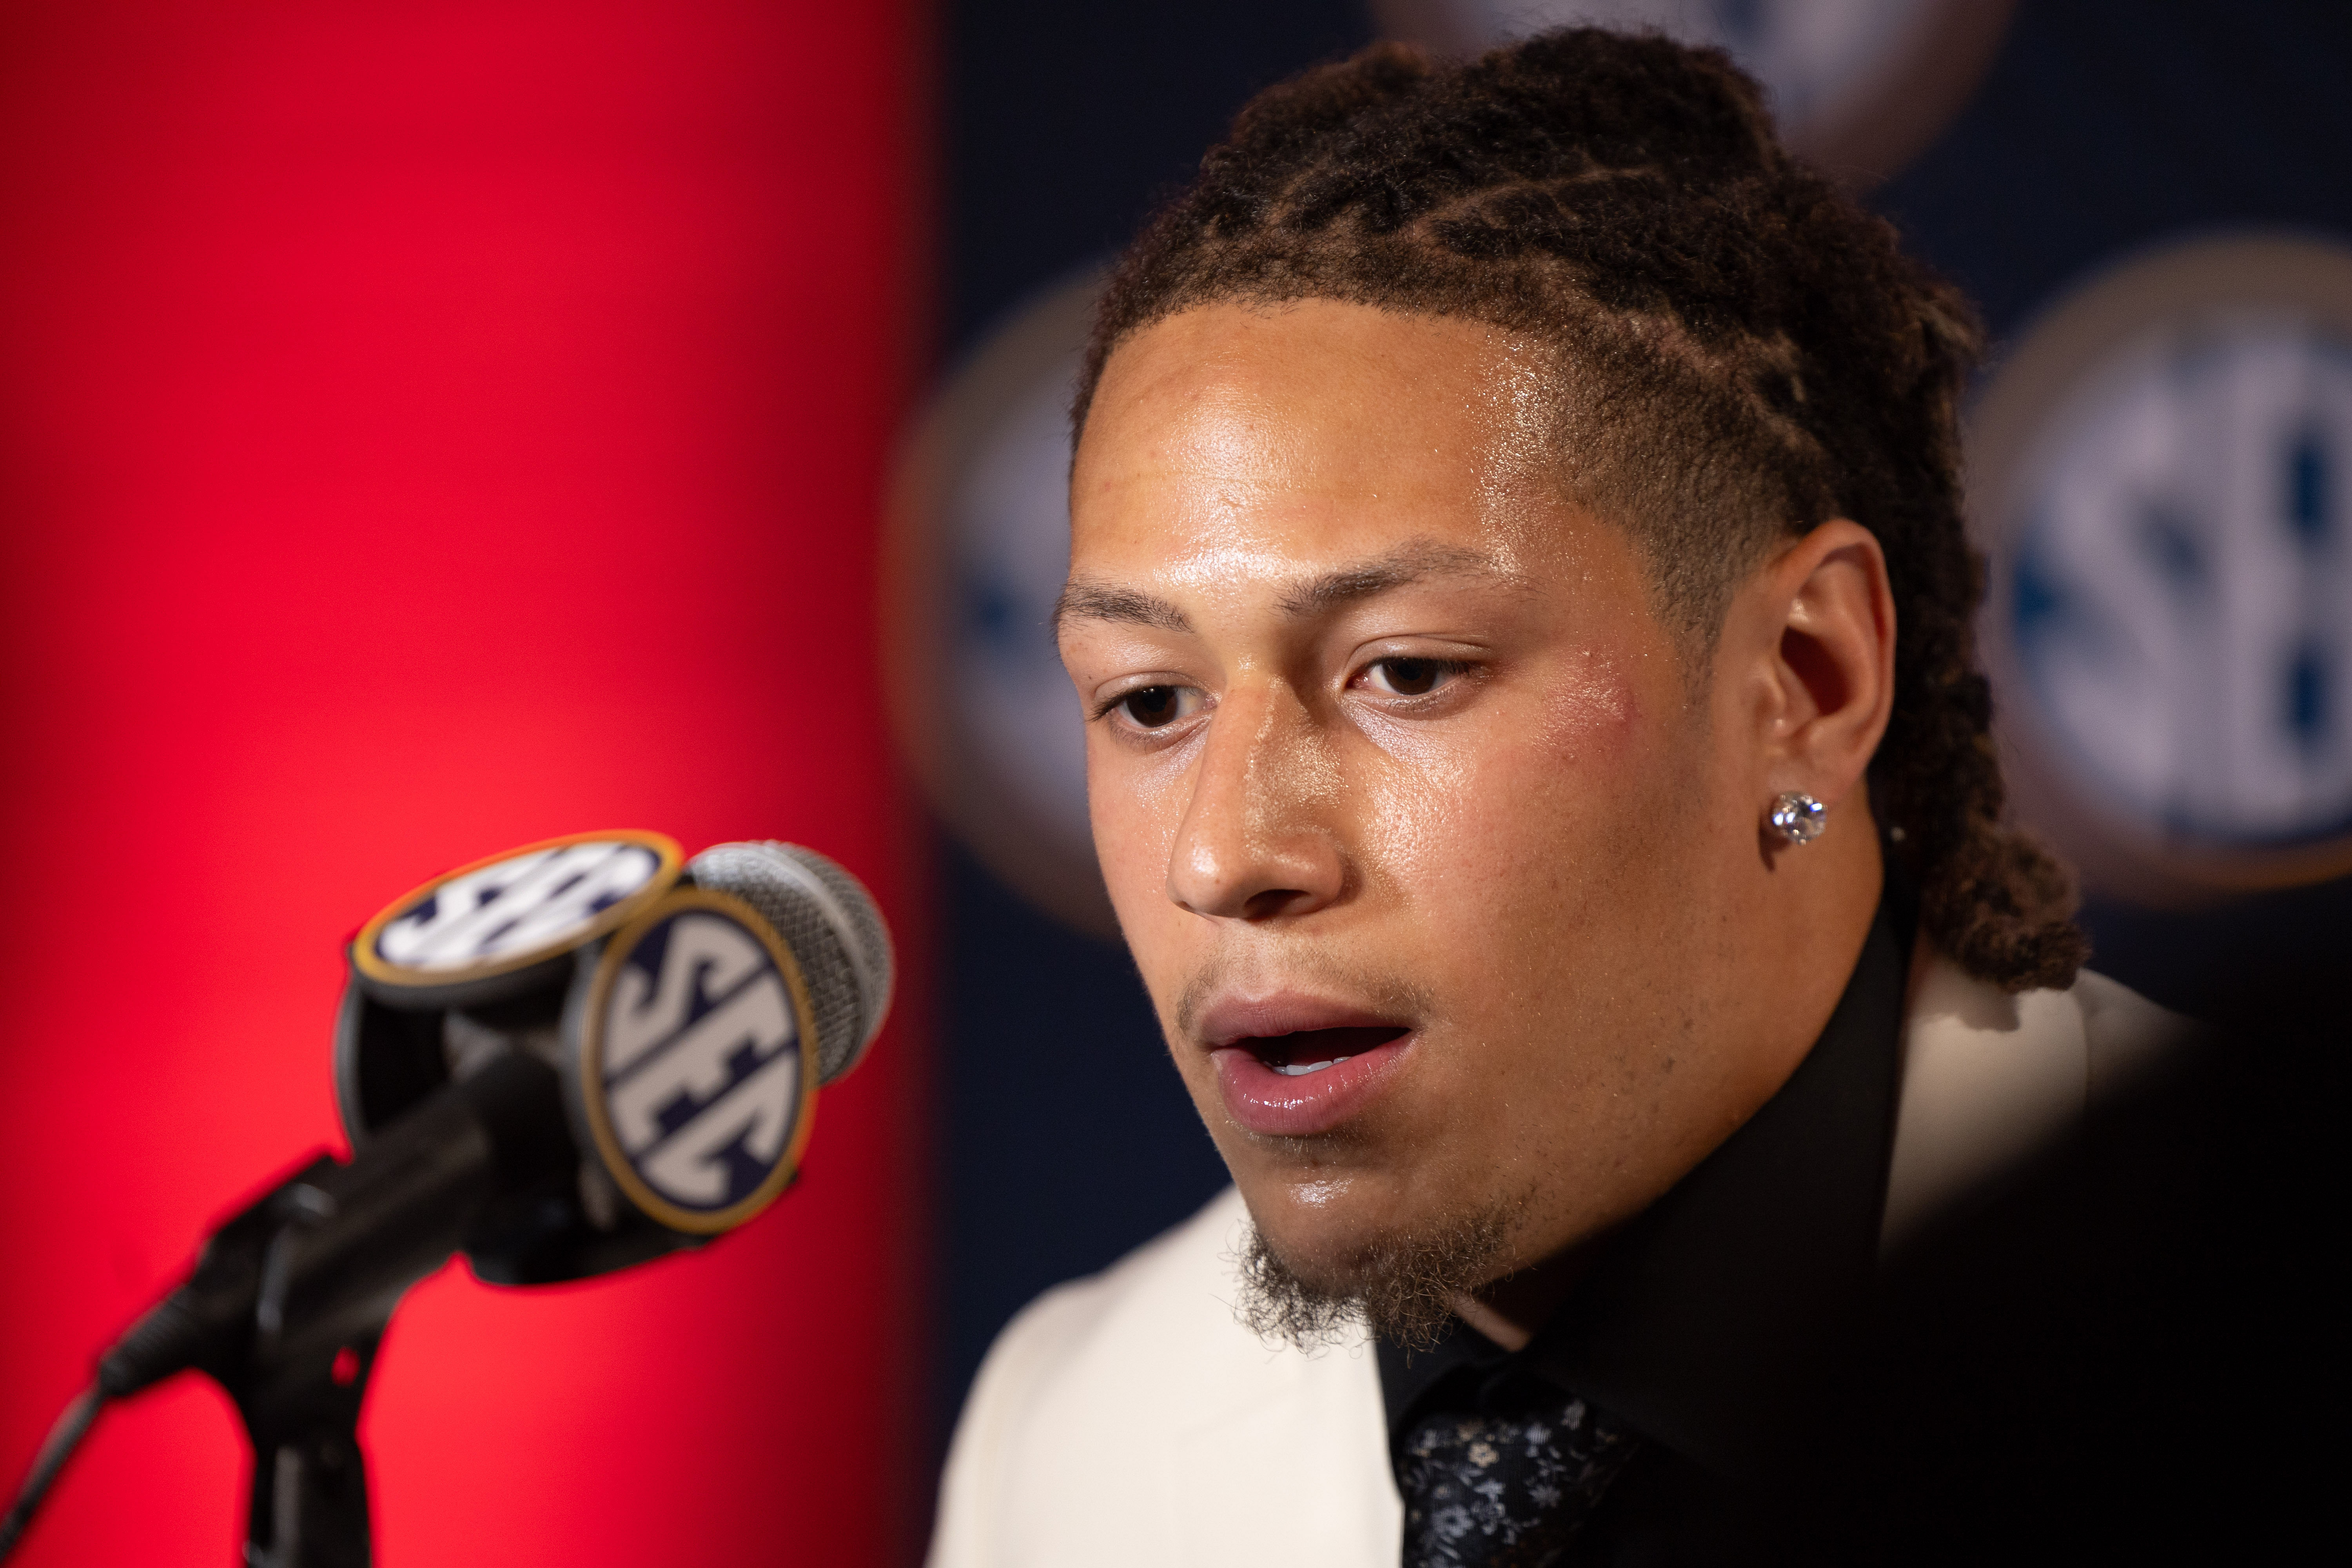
[828, 921]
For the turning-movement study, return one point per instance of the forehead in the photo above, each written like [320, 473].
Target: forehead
[1314, 430]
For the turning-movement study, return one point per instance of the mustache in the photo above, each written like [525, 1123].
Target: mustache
[1309, 969]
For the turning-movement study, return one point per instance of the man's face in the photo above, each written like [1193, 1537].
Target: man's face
[1426, 847]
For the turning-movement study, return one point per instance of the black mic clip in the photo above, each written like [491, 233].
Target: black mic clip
[290, 1298]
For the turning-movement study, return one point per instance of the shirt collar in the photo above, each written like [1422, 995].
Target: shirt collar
[1696, 1314]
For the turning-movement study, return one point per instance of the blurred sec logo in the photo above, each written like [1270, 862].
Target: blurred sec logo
[689, 1061]
[491, 927]
[980, 545]
[2161, 476]
[1858, 87]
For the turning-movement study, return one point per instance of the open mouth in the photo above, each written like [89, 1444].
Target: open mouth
[1314, 1050]
[1296, 1065]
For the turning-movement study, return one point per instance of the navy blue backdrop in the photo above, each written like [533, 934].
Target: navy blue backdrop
[2101, 126]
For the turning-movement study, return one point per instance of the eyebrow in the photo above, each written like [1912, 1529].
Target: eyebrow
[1085, 600]
[1409, 563]
[1091, 600]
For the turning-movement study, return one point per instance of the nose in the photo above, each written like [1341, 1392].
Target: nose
[1260, 838]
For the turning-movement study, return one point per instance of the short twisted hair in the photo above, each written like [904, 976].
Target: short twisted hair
[1742, 352]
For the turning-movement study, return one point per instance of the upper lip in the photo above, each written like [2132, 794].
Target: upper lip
[1233, 1019]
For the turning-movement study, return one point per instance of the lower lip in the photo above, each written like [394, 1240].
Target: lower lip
[1278, 1105]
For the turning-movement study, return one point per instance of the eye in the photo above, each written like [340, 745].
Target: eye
[1156, 707]
[1412, 677]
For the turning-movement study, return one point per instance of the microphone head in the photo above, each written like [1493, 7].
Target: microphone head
[829, 922]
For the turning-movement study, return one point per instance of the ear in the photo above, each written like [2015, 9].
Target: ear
[1826, 657]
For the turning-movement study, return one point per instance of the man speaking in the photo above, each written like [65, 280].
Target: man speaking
[1520, 604]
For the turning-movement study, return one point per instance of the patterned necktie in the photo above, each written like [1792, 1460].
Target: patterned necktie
[1507, 1485]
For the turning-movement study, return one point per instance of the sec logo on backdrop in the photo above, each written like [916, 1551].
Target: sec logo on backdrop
[2162, 475]
[980, 545]
[1858, 87]
[692, 1061]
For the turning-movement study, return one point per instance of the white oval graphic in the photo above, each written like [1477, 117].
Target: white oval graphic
[2180, 597]
[2161, 472]
[700, 1068]
[541, 900]
[983, 705]
[1860, 86]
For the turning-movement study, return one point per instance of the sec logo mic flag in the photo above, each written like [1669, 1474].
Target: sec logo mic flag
[692, 1070]
[484, 929]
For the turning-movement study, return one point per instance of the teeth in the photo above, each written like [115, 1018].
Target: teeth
[1300, 1070]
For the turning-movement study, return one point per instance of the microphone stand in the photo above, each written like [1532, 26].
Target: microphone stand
[310, 1502]
[298, 1387]
[296, 1365]
[289, 1300]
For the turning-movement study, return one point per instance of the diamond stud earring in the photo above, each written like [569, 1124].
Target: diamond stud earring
[1799, 819]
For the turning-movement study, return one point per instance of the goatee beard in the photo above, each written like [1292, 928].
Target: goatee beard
[1401, 1288]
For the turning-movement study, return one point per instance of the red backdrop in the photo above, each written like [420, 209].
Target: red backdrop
[426, 427]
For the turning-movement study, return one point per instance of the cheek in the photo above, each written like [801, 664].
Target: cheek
[1596, 711]
[1519, 790]
[1135, 807]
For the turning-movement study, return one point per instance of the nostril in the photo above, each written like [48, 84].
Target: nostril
[1272, 901]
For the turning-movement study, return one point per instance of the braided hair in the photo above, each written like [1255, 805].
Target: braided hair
[1741, 352]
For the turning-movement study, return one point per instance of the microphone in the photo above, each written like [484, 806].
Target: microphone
[582, 954]
[562, 1060]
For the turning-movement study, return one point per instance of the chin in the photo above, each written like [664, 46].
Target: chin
[1338, 1257]
[1345, 1233]
[1328, 1244]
